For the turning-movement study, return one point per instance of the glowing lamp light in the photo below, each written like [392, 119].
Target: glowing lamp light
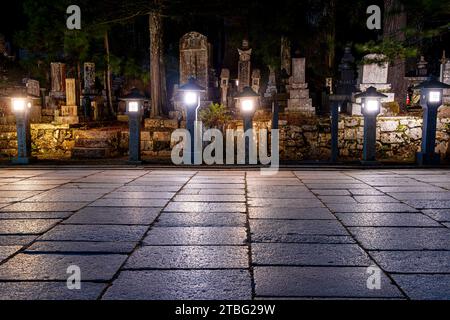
[247, 99]
[371, 101]
[431, 92]
[134, 100]
[191, 93]
[19, 104]
[190, 98]
[434, 97]
[372, 105]
[133, 106]
[247, 105]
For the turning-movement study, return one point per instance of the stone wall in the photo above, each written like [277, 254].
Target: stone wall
[398, 138]
[48, 141]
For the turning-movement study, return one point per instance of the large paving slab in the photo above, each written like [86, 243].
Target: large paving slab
[181, 285]
[424, 286]
[114, 215]
[371, 207]
[205, 207]
[402, 238]
[198, 219]
[45, 206]
[196, 236]
[51, 267]
[299, 254]
[95, 233]
[80, 247]
[290, 213]
[49, 291]
[31, 226]
[386, 219]
[413, 261]
[320, 282]
[7, 251]
[189, 257]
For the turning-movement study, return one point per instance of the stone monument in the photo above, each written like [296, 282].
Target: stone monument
[58, 79]
[256, 80]
[299, 101]
[194, 59]
[33, 88]
[422, 70]
[286, 56]
[89, 78]
[244, 66]
[373, 74]
[224, 83]
[69, 112]
[272, 83]
[446, 79]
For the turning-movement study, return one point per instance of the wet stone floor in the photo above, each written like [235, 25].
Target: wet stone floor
[187, 234]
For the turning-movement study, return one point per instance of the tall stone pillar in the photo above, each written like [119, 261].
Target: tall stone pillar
[244, 66]
[224, 82]
[69, 112]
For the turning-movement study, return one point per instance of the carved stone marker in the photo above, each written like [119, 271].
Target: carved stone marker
[89, 77]
[446, 79]
[272, 84]
[299, 100]
[194, 58]
[286, 56]
[33, 88]
[69, 112]
[224, 83]
[374, 75]
[58, 77]
[244, 66]
[256, 80]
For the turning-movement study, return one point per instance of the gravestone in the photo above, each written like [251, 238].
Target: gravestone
[256, 80]
[224, 83]
[373, 74]
[422, 70]
[272, 84]
[58, 79]
[299, 101]
[446, 80]
[69, 112]
[33, 88]
[244, 66]
[194, 58]
[89, 78]
[286, 56]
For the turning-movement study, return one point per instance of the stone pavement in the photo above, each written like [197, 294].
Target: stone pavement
[178, 234]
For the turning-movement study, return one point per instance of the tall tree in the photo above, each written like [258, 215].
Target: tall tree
[157, 66]
[394, 30]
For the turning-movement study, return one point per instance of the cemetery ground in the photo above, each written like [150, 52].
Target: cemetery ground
[224, 234]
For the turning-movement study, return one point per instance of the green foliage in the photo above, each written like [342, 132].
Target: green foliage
[215, 116]
[390, 48]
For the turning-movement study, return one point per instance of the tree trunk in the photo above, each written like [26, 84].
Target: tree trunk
[394, 24]
[108, 76]
[157, 70]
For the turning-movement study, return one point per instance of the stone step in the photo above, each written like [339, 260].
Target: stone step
[91, 153]
[97, 134]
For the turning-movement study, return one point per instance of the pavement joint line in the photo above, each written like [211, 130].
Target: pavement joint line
[368, 252]
[357, 242]
[403, 201]
[25, 247]
[249, 239]
[140, 242]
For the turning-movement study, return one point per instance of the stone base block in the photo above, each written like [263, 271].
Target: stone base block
[67, 120]
[69, 111]
[122, 118]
